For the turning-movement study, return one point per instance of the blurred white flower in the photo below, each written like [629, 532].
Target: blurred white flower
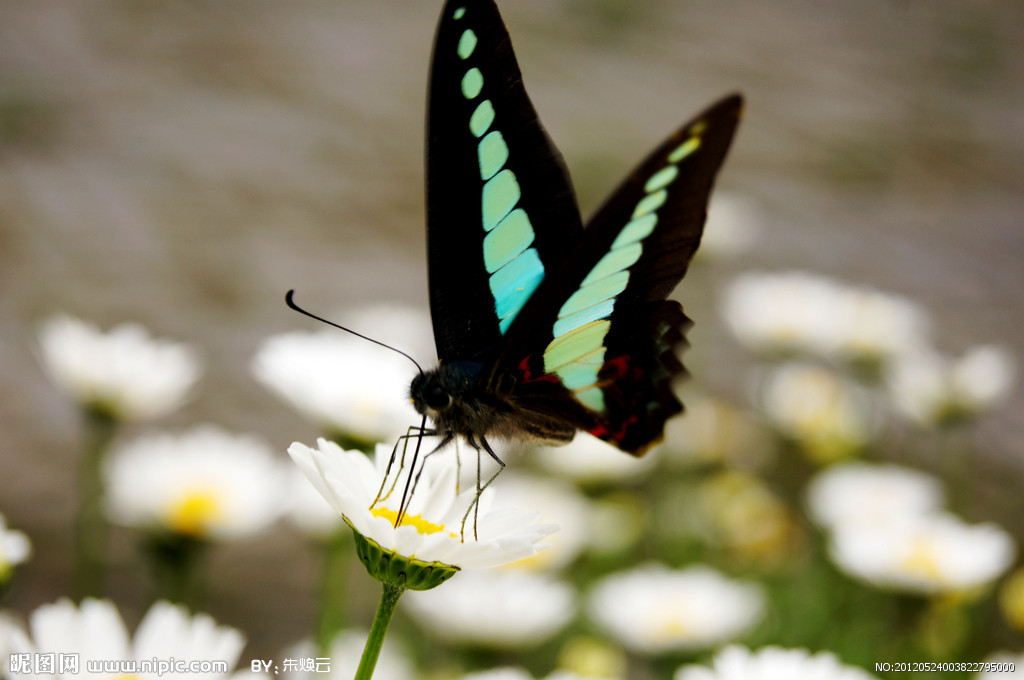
[513, 673]
[797, 312]
[344, 654]
[431, 528]
[95, 631]
[345, 385]
[928, 388]
[829, 417]
[556, 502]
[653, 609]
[926, 554]
[782, 313]
[589, 460]
[403, 326]
[714, 431]
[15, 548]
[1008, 661]
[772, 663]
[125, 374]
[503, 673]
[731, 228]
[741, 513]
[497, 609]
[204, 483]
[854, 494]
[878, 326]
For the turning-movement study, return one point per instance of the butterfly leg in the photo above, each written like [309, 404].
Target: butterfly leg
[417, 432]
[475, 505]
[411, 483]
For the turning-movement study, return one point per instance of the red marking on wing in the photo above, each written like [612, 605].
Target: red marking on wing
[528, 376]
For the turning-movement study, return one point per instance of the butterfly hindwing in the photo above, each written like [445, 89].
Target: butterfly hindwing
[500, 208]
[599, 325]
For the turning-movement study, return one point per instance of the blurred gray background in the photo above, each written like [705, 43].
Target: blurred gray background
[184, 163]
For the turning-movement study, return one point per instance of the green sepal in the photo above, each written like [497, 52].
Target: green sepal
[396, 570]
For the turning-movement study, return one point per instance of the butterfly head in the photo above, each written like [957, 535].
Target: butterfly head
[429, 395]
[438, 393]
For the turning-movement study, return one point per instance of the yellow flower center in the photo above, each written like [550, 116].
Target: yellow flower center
[195, 512]
[922, 561]
[421, 525]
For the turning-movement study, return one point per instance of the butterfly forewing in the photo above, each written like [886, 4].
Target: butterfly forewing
[500, 208]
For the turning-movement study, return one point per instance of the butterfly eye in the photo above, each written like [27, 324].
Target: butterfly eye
[436, 397]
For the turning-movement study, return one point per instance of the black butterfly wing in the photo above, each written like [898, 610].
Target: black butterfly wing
[500, 207]
[597, 341]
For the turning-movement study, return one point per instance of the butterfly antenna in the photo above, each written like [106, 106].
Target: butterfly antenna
[289, 298]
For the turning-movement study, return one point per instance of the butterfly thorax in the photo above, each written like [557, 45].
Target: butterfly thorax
[453, 397]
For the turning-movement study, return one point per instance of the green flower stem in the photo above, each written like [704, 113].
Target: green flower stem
[333, 581]
[385, 610]
[90, 538]
[177, 566]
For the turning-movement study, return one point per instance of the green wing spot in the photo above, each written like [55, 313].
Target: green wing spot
[472, 83]
[602, 310]
[592, 398]
[508, 240]
[500, 194]
[613, 262]
[482, 118]
[493, 153]
[467, 43]
[594, 293]
[649, 203]
[513, 284]
[459, 13]
[582, 372]
[635, 231]
[661, 179]
[684, 149]
[575, 344]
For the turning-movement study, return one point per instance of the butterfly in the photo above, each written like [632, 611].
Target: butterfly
[544, 327]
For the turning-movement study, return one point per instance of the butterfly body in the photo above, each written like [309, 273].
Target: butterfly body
[544, 327]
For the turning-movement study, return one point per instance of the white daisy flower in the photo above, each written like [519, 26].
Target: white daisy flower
[804, 313]
[125, 374]
[205, 483]
[772, 663]
[873, 495]
[714, 431]
[927, 554]
[344, 655]
[731, 227]
[307, 510]
[589, 460]
[96, 633]
[503, 673]
[514, 673]
[877, 326]
[348, 387]
[497, 609]
[557, 503]
[653, 609]
[782, 313]
[15, 548]
[828, 417]
[431, 526]
[928, 388]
